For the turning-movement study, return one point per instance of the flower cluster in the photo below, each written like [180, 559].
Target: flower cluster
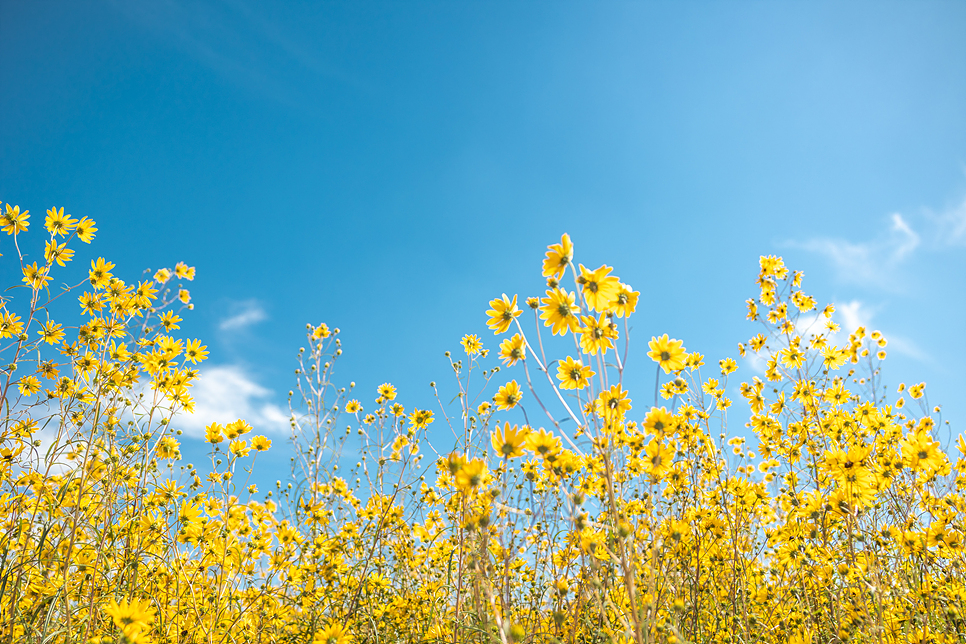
[565, 508]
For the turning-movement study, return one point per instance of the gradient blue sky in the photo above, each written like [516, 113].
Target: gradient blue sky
[390, 167]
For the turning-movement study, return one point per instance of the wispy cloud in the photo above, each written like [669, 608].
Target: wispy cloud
[951, 225]
[855, 313]
[870, 262]
[226, 393]
[235, 40]
[244, 315]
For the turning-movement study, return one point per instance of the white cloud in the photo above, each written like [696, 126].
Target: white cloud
[904, 238]
[854, 314]
[246, 314]
[951, 225]
[871, 262]
[756, 362]
[226, 393]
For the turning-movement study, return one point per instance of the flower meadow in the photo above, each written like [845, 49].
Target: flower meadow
[564, 507]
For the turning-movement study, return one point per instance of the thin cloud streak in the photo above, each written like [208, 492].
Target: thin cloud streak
[872, 262]
[251, 313]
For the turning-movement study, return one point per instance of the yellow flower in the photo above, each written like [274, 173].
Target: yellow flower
[834, 357]
[239, 448]
[10, 325]
[558, 257]
[471, 475]
[184, 272]
[513, 349]
[658, 458]
[28, 386]
[57, 223]
[560, 312]
[728, 365]
[792, 357]
[502, 312]
[195, 352]
[508, 441]
[624, 302]
[508, 396]
[131, 617]
[612, 403]
[14, 221]
[658, 421]
[54, 252]
[420, 418]
[85, 230]
[162, 276]
[772, 266]
[260, 443]
[237, 428]
[51, 333]
[471, 344]
[167, 447]
[386, 391]
[573, 375]
[213, 433]
[321, 332]
[334, 633]
[34, 276]
[597, 334]
[543, 443]
[170, 321]
[921, 453]
[598, 286]
[669, 354]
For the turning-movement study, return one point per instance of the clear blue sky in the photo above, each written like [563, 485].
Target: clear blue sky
[390, 167]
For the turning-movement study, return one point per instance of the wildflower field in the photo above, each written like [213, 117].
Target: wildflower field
[607, 515]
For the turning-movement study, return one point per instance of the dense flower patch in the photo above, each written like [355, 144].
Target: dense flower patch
[605, 516]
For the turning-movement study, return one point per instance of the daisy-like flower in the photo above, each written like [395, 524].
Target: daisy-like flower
[508, 442]
[214, 433]
[573, 375]
[598, 286]
[508, 396]
[612, 403]
[420, 418]
[334, 633]
[658, 458]
[543, 443]
[560, 312]
[624, 302]
[669, 354]
[471, 344]
[658, 421]
[13, 221]
[513, 349]
[59, 224]
[558, 257]
[184, 272]
[386, 391]
[597, 334]
[85, 230]
[502, 311]
[131, 617]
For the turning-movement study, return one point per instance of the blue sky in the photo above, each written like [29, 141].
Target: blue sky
[390, 167]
